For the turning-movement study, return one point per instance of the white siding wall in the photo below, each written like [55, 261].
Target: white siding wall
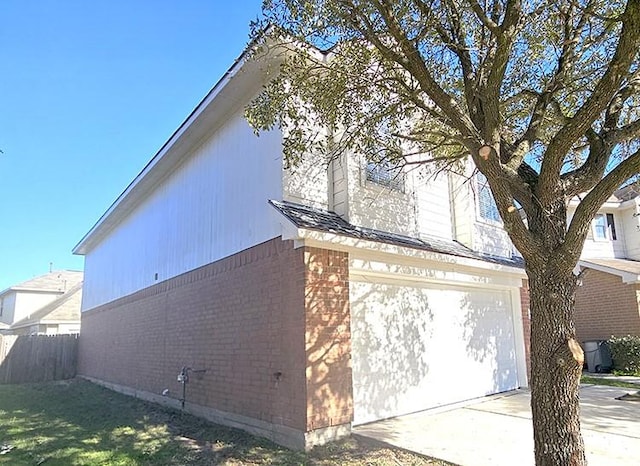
[211, 206]
[375, 206]
[307, 184]
[433, 204]
[340, 187]
[27, 303]
[463, 209]
[605, 248]
[491, 239]
[64, 328]
[470, 229]
[8, 308]
[630, 226]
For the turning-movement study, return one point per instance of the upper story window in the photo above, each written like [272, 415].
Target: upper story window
[487, 207]
[385, 174]
[1, 306]
[603, 227]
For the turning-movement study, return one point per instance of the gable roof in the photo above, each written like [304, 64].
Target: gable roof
[65, 308]
[243, 79]
[326, 221]
[57, 281]
[627, 269]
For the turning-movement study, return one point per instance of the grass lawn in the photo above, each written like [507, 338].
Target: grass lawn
[609, 382]
[78, 423]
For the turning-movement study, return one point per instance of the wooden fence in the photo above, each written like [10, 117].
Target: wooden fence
[37, 358]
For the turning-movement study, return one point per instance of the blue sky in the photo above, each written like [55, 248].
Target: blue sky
[89, 91]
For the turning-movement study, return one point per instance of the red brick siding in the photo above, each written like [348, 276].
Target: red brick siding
[241, 318]
[526, 323]
[606, 306]
[328, 338]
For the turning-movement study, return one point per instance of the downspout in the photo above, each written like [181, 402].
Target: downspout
[452, 207]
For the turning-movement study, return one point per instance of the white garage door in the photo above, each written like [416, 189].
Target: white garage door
[415, 348]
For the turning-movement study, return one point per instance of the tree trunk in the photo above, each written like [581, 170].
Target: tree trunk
[556, 365]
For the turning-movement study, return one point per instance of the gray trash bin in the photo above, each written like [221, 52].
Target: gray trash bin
[598, 356]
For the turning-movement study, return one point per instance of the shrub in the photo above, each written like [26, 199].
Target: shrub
[625, 352]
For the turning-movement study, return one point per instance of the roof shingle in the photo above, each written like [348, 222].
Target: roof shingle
[322, 220]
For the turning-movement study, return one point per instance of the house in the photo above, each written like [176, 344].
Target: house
[608, 302]
[45, 305]
[296, 303]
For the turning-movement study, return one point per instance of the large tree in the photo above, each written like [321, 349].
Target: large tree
[543, 96]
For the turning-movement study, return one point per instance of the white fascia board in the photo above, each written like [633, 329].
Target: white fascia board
[429, 274]
[61, 322]
[631, 203]
[627, 277]
[369, 252]
[231, 91]
[606, 206]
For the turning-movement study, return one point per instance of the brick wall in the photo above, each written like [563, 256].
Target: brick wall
[328, 338]
[241, 318]
[606, 306]
[270, 326]
[526, 323]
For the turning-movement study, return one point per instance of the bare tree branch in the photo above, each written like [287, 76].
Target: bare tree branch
[606, 88]
[591, 171]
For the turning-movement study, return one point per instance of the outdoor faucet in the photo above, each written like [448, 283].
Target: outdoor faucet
[183, 378]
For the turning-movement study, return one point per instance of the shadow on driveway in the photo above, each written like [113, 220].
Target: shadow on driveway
[497, 430]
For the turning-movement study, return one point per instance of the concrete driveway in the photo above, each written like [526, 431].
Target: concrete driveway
[497, 430]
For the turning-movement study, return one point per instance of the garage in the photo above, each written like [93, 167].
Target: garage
[421, 345]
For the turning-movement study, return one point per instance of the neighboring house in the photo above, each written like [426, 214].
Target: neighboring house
[304, 300]
[608, 302]
[45, 305]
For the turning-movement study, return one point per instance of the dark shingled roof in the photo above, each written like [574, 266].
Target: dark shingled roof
[312, 218]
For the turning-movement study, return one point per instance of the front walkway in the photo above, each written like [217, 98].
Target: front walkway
[497, 430]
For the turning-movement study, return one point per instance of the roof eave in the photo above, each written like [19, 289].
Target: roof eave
[627, 277]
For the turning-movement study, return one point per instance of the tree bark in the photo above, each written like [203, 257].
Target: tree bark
[556, 365]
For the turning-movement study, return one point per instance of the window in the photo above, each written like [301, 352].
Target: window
[612, 226]
[385, 174]
[600, 227]
[604, 227]
[1, 306]
[487, 207]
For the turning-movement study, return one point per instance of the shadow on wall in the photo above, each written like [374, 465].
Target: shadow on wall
[491, 239]
[391, 339]
[490, 335]
[418, 347]
[37, 358]
[384, 208]
[327, 339]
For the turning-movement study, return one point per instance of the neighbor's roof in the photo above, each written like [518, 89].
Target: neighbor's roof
[322, 220]
[627, 269]
[617, 199]
[56, 281]
[64, 309]
[628, 192]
